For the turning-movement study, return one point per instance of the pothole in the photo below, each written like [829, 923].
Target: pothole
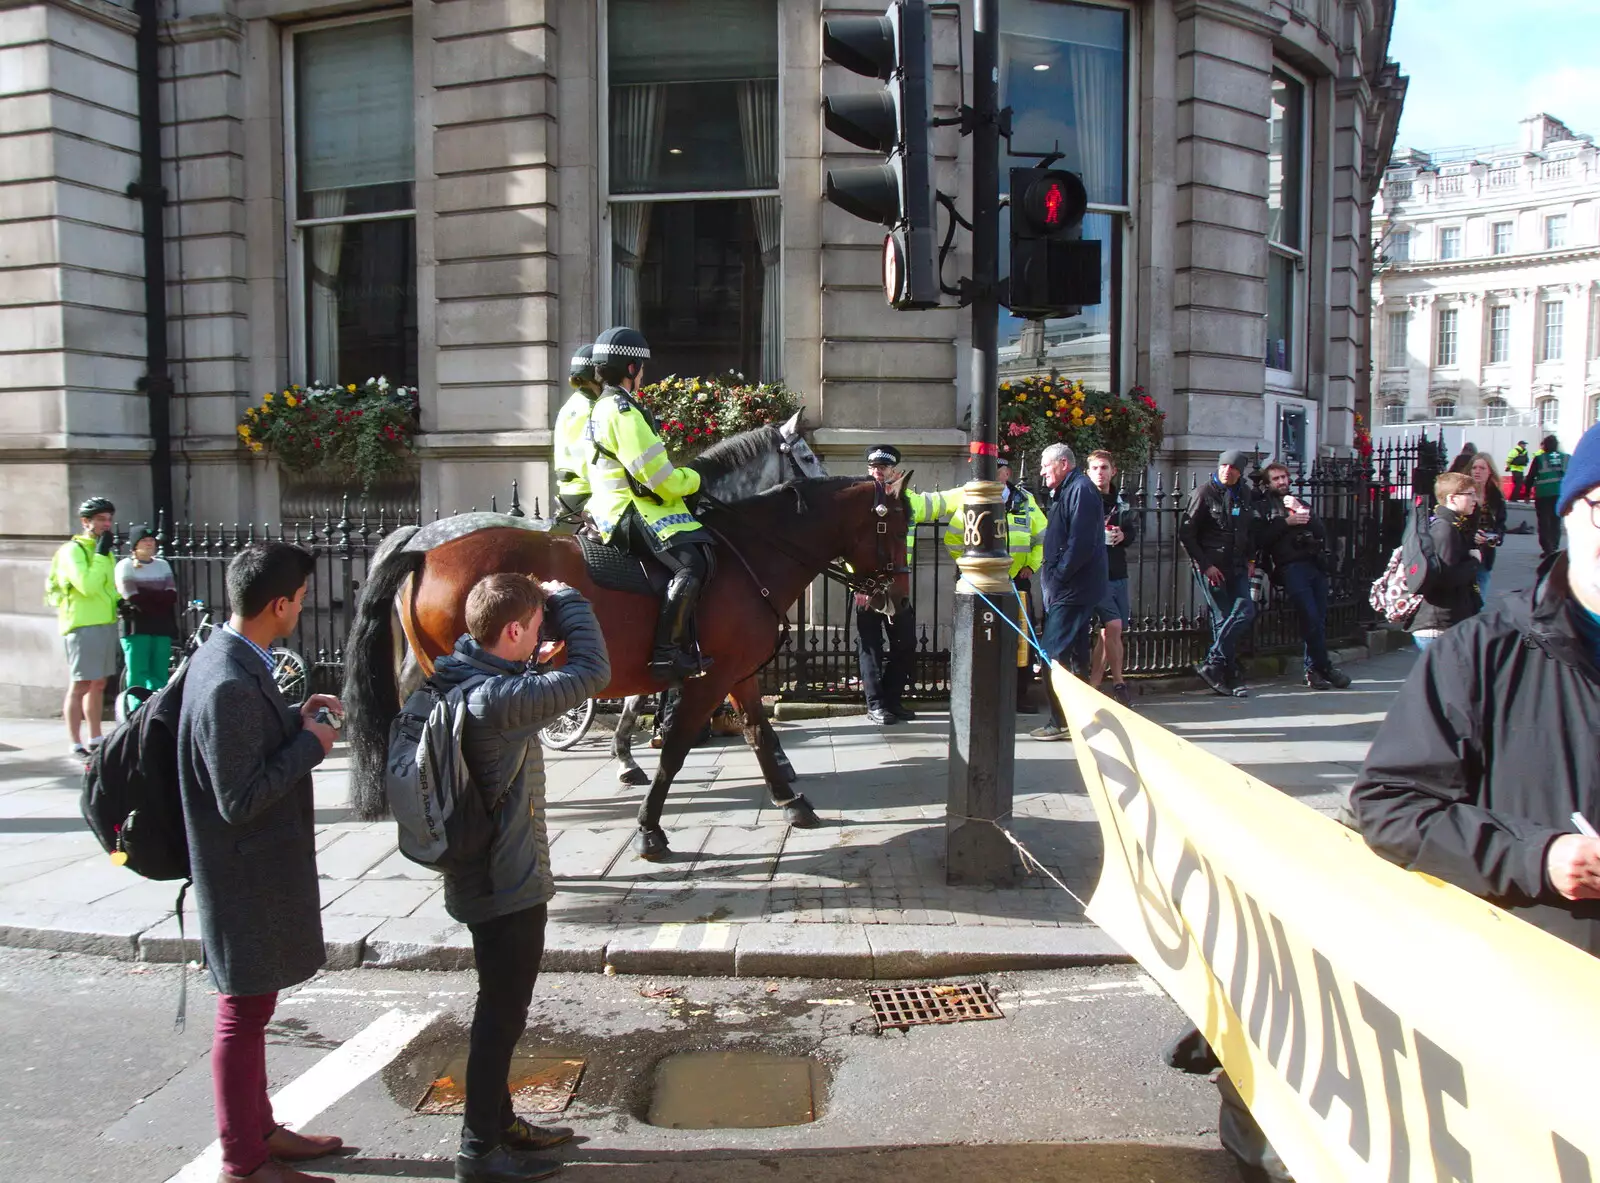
[734, 1090]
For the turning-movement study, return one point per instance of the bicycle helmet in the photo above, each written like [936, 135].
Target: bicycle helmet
[95, 505]
[619, 353]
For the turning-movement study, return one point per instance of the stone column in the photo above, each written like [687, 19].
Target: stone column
[1224, 78]
[1470, 353]
[487, 285]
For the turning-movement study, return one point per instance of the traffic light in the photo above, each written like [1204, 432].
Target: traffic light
[897, 49]
[1053, 271]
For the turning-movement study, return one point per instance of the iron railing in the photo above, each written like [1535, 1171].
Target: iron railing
[1362, 504]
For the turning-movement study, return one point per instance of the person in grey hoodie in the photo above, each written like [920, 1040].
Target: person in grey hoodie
[503, 902]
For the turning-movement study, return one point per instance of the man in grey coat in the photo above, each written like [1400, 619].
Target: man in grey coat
[503, 902]
[244, 770]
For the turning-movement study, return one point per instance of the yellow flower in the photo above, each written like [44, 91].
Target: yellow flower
[250, 413]
[254, 446]
[266, 402]
[1076, 414]
[291, 400]
[1005, 386]
[244, 433]
[351, 388]
[1022, 398]
[1089, 422]
[1105, 410]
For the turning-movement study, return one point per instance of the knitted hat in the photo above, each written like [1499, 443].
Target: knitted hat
[1235, 459]
[1583, 470]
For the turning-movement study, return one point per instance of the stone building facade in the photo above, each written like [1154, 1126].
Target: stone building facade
[456, 192]
[1487, 296]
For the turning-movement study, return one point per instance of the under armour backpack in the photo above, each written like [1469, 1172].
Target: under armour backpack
[445, 822]
[130, 794]
[1419, 560]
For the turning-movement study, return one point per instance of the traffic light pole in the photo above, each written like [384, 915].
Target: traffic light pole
[983, 682]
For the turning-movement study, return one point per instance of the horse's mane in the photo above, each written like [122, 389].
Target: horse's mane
[798, 488]
[733, 453]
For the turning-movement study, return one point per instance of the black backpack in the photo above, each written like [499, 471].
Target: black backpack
[130, 789]
[1419, 561]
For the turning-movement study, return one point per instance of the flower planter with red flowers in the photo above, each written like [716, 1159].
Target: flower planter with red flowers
[353, 434]
[1046, 409]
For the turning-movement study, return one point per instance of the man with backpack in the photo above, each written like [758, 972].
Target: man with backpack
[497, 877]
[1449, 587]
[244, 771]
[82, 588]
[1545, 474]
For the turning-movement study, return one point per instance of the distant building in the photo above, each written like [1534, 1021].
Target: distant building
[1485, 300]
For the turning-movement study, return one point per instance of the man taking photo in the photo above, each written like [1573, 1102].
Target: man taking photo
[82, 588]
[1295, 542]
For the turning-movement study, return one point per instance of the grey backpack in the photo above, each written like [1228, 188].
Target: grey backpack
[446, 822]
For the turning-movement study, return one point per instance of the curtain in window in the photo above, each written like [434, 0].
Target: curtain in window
[758, 127]
[324, 247]
[1097, 93]
[637, 122]
[353, 97]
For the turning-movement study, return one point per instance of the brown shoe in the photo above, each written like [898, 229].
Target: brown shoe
[273, 1172]
[286, 1145]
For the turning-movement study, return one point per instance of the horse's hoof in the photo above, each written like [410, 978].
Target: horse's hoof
[800, 814]
[789, 774]
[633, 776]
[651, 845]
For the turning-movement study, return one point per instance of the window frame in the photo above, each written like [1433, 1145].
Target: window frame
[1545, 325]
[1402, 339]
[1293, 380]
[1510, 227]
[1498, 357]
[294, 227]
[1393, 413]
[1398, 238]
[1435, 405]
[1551, 222]
[1496, 410]
[1552, 423]
[1451, 234]
[1439, 361]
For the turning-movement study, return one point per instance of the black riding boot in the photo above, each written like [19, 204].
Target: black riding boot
[673, 658]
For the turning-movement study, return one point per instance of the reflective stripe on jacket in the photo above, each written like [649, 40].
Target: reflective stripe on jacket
[570, 449]
[82, 585]
[627, 465]
[1025, 526]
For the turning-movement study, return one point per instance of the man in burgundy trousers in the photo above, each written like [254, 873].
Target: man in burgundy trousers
[244, 767]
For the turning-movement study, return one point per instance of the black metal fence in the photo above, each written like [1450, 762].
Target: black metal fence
[1362, 504]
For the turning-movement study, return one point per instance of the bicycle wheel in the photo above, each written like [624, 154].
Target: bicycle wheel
[565, 730]
[291, 673]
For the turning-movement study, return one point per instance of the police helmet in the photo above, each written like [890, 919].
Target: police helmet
[95, 505]
[884, 454]
[619, 352]
[581, 369]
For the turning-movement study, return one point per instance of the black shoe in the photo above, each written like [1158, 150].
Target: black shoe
[1120, 695]
[503, 1165]
[1340, 679]
[1317, 680]
[1215, 677]
[904, 714]
[882, 717]
[524, 1135]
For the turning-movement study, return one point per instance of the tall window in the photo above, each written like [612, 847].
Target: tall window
[1450, 242]
[1501, 233]
[1553, 315]
[1594, 411]
[1499, 334]
[351, 167]
[1286, 215]
[1496, 410]
[1399, 247]
[1444, 408]
[696, 226]
[1549, 412]
[1394, 414]
[1064, 73]
[1445, 354]
[1555, 232]
[1398, 357]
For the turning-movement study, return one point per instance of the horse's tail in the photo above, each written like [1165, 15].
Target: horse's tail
[371, 697]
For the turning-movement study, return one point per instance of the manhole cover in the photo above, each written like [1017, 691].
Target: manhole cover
[910, 1006]
[538, 1085]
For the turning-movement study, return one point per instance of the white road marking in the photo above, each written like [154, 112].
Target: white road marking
[716, 936]
[667, 936]
[325, 1082]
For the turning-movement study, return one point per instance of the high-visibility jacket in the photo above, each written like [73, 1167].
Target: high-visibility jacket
[929, 507]
[1025, 526]
[571, 451]
[1517, 461]
[1548, 471]
[627, 466]
[82, 585]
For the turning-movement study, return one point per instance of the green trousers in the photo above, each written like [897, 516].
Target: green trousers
[148, 660]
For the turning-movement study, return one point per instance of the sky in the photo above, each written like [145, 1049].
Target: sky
[1478, 66]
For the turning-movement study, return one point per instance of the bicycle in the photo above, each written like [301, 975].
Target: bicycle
[290, 671]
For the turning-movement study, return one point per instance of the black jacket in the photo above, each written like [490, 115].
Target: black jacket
[1219, 526]
[1075, 545]
[1490, 748]
[1282, 544]
[1452, 594]
[501, 745]
[1118, 512]
[1490, 519]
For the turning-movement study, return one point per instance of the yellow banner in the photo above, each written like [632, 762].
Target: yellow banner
[1380, 1024]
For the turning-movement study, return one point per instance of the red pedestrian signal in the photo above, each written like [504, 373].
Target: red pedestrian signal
[1053, 272]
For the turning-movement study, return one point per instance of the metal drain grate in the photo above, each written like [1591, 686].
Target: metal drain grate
[909, 1006]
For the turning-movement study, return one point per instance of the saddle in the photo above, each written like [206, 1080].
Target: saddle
[617, 570]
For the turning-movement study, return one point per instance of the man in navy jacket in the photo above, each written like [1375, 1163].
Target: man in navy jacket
[1074, 575]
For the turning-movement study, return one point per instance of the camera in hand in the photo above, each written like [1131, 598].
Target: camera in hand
[328, 719]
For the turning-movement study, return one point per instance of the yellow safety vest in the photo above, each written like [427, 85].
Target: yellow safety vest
[570, 450]
[1025, 526]
[627, 465]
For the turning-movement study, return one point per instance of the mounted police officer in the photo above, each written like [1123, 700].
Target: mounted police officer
[636, 498]
[571, 450]
[884, 675]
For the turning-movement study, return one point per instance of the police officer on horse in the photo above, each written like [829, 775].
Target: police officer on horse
[571, 450]
[636, 498]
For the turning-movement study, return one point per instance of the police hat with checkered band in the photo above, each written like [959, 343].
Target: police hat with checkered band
[619, 351]
[581, 368]
[884, 454]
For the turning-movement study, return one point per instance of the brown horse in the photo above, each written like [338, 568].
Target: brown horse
[771, 547]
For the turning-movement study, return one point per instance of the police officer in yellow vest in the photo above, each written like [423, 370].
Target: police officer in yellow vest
[1025, 526]
[571, 450]
[884, 676]
[636, 498]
